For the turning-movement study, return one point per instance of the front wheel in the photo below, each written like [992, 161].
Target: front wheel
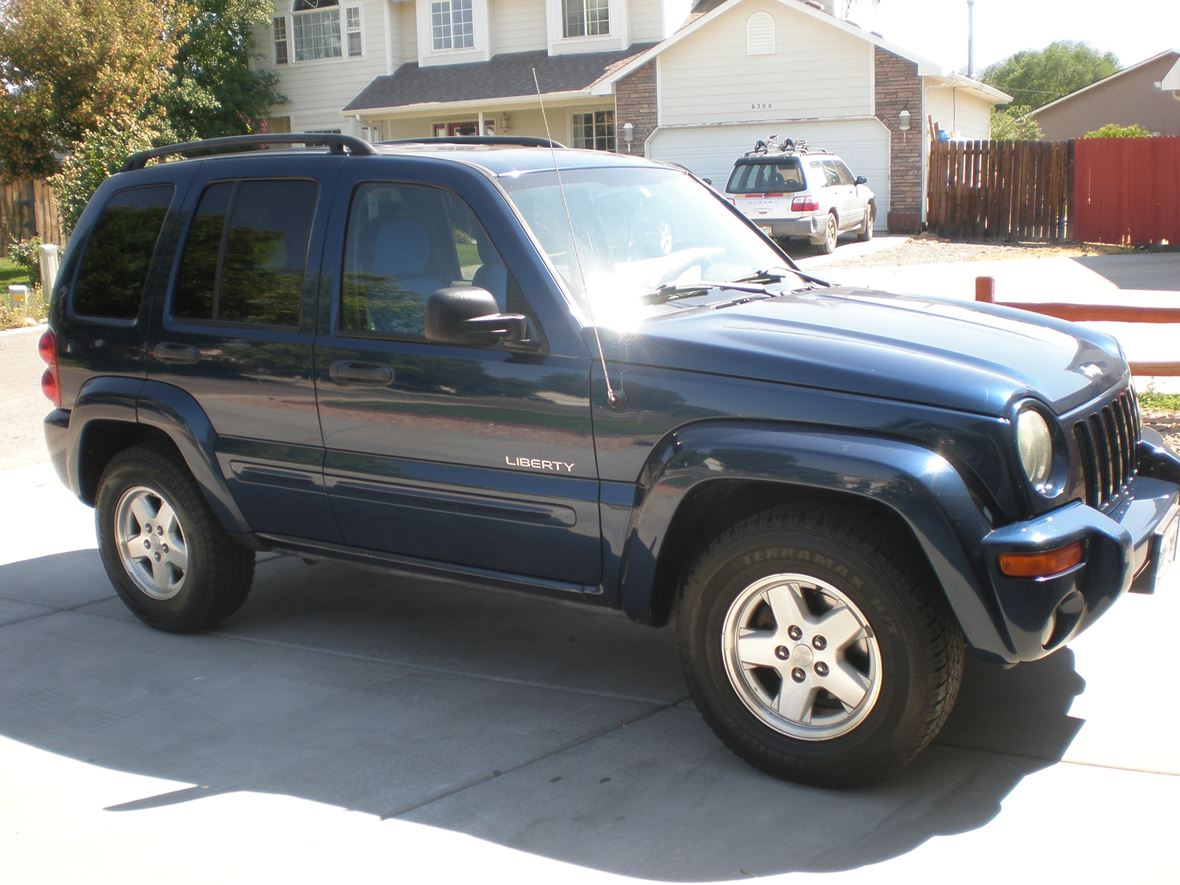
[168, 557]
[815, 650]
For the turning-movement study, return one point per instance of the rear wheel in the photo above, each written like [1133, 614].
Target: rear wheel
[827, 245]
[164, 550]
[813, 648]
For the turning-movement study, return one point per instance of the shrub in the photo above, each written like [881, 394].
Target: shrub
[25, 255]
[12, 317]
[1117, 130]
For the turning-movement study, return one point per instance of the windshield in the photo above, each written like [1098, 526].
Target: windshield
[766, 177]
[634, 230]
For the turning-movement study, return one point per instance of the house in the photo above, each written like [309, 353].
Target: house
[654, 77]
[1147, 94]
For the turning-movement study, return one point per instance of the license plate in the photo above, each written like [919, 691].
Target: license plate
[769, 231]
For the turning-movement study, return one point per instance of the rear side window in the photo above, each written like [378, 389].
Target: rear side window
[246, 252]
[114, 268]
[782, 176]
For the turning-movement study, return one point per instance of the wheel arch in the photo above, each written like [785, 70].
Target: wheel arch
[112, 413]
[704, 478]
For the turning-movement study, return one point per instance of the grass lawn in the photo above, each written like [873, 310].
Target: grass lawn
[11, 275]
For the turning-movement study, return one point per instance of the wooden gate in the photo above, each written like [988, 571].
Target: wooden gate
[1000, 190]
[28, 209]
[1127, 190]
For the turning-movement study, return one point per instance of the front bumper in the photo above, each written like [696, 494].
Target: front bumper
[1125, 549]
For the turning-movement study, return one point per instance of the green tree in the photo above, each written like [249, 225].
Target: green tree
[68, 65]
[213, 90]
[1037, 77]
[1117, 130]
[1013, 123]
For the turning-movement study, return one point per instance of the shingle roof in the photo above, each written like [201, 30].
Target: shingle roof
[502, 76]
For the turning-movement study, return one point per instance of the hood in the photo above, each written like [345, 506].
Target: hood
[965, 356]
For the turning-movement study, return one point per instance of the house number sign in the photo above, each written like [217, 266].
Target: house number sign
[761, 106]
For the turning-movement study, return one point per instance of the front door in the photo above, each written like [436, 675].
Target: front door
[477, 456]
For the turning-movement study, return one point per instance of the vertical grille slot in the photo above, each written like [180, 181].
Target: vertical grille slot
[1107, 441]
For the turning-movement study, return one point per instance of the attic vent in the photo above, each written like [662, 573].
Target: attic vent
[760, 34]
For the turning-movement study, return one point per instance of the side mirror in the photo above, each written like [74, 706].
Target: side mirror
[469, 315]
[708, 181]
[860, 179]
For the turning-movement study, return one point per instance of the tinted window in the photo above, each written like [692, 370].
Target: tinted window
[781, 176]
[403, 243]
[245, 254]
[119, 252]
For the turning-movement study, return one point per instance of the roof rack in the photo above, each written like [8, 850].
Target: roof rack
[515, 140]
[771, 145]
[337, 144]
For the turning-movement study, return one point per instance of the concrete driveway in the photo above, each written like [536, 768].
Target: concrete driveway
[352, 727]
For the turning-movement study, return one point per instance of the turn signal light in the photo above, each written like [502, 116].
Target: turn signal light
[47, 348]
[805, 204]
[1042, 565]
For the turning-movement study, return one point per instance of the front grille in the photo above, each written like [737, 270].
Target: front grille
[1108, 440]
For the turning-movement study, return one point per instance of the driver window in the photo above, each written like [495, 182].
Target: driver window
[403, 243]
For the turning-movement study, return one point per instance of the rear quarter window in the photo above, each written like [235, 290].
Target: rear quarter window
[114, 268]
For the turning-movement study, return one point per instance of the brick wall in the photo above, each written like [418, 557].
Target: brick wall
[899, 88]
[635, 103]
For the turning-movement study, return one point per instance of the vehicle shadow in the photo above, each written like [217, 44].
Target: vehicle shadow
[536, 726]
[1144, 272]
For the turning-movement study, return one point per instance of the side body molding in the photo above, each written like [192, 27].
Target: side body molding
[166, 408]
[919, 485]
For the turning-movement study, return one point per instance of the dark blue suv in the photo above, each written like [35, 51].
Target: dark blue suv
[589, 376]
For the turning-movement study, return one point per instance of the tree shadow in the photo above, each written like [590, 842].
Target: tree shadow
[1144, 272]
[537, 726]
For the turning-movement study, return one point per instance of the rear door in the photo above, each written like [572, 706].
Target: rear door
[479, 456]
[238, 327]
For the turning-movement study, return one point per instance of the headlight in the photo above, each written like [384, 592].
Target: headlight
[1034, 443]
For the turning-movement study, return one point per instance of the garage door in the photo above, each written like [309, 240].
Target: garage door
[709, 151]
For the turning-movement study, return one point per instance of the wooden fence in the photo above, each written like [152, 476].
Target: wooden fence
[1127, 190]
[1000, 190]
[29, 209]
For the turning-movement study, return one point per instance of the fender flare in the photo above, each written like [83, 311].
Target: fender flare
[163, 407]
[919, 485]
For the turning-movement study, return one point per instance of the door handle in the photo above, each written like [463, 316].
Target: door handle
[177, 354]
[349, 372]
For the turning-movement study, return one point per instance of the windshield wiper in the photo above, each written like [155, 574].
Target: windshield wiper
[672, 291]
[772, 275]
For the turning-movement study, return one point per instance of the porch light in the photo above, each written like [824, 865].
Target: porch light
[903, 121]
[628, 135]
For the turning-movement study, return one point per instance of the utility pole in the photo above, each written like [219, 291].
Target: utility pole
[970, 38]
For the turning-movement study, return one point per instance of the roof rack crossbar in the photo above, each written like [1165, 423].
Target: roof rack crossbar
[337, 144]
[515, 140]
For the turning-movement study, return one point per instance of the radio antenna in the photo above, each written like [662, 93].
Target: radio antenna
[616, 398]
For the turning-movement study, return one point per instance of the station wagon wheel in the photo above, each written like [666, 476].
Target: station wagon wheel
[167, 555]
[817, 647]
[866, 231]
[827, 245]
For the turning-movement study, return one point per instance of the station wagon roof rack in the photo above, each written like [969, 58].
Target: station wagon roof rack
[336, 143]
[514, 140]
[771, 145]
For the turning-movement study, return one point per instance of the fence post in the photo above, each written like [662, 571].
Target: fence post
[985, 289]
[49, 262]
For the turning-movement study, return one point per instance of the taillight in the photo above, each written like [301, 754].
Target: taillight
[805, 203]
[47, 348]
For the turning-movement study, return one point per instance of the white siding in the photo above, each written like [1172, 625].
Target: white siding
[816, 72]
[958, 112]
[317, 90]
[647, 21]
[709, 151]
[405, 34]
[518, 25]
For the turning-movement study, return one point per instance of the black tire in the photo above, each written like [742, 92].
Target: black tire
[866, 231]
[919, 647]
[216, 574]
[827, 245]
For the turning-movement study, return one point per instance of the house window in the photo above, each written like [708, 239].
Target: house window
[317, 29]
[451, 24]
[595, 130]
[279, 27]
[586, 18]
[352, 19]
[760, 34]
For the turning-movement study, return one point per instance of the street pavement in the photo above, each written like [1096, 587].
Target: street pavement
[347, 726]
